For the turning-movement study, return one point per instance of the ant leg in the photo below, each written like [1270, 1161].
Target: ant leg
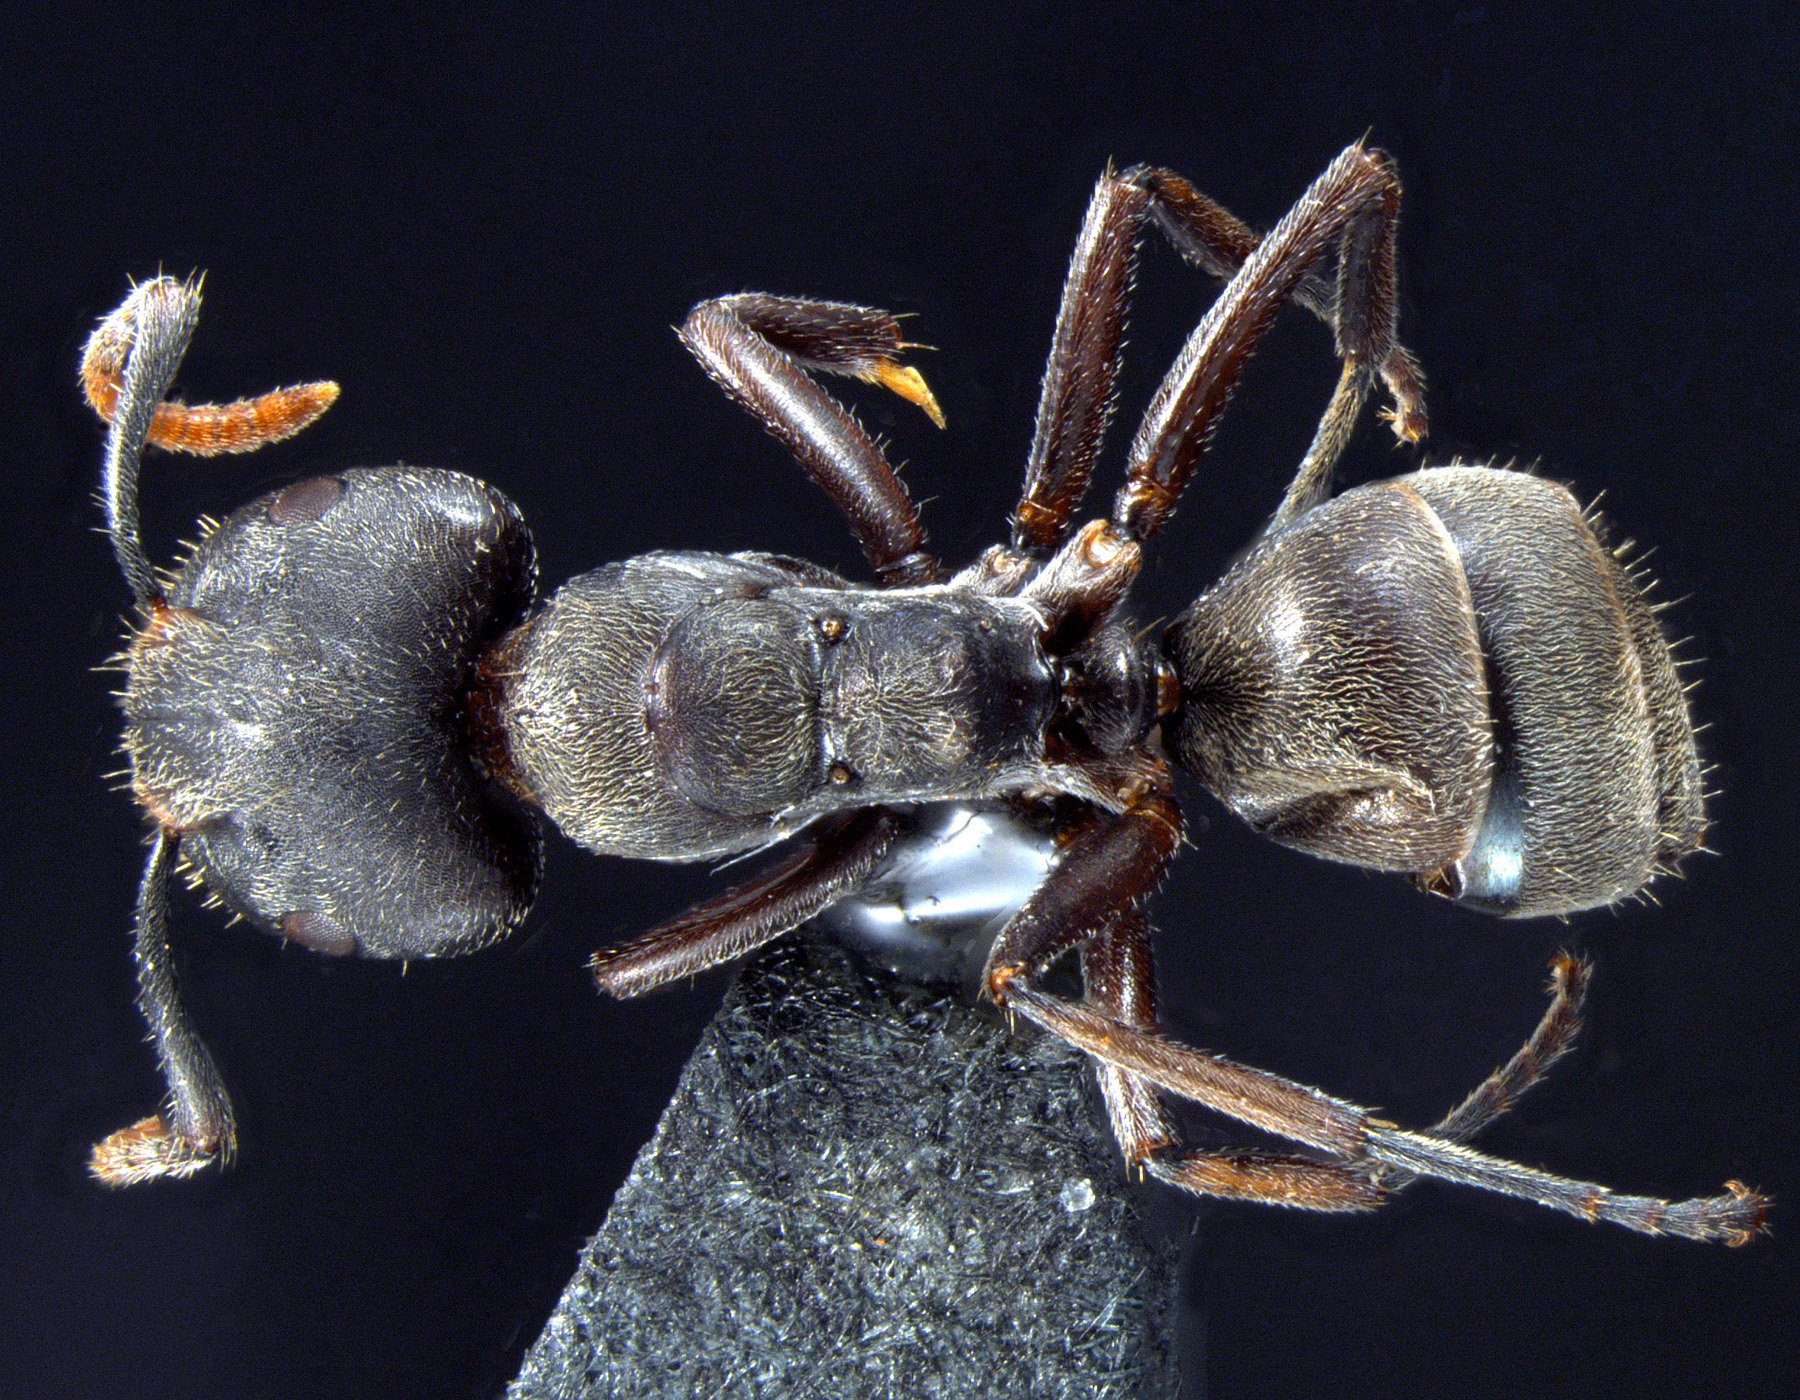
[199, 1125]
[1076, 402]
[1274, 1179]
[1075, 405]
[1089, 900]
[1119, 978]
[1550, 1041]
[1363, 1141]
[1555, 1034]
[1360, 311]
[1110, 866]
[127, 366]
[1216, 240]
[1211, 237]
[1354, 204]
[1119, 982]
[1312, 482]
[1271, 1179]
[762, 349]
[751, 914]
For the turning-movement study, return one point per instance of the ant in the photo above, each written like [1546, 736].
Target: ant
[342, 705]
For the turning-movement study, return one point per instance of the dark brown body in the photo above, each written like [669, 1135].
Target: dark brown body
[679, 706]
[1447, 674]
[294, 711]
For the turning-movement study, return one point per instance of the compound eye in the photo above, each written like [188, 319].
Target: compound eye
[319, 932]
[305, 501]
[733, 706]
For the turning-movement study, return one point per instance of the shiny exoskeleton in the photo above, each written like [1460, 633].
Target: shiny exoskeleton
[344, 699]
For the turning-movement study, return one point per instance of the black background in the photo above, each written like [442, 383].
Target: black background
[484, 226]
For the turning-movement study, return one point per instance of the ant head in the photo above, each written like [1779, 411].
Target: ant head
[294, 711]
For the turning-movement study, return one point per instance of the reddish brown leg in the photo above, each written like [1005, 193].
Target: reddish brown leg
[1271, 1179]
[1213, 238]
[1554, 1035]
[1090, 901]
[1109, 868]
[1076, 402]
[1367, 1145]
[751, 914]
[1354, 206]
[1119, 978]
[1295, 1181]
[762, 349]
